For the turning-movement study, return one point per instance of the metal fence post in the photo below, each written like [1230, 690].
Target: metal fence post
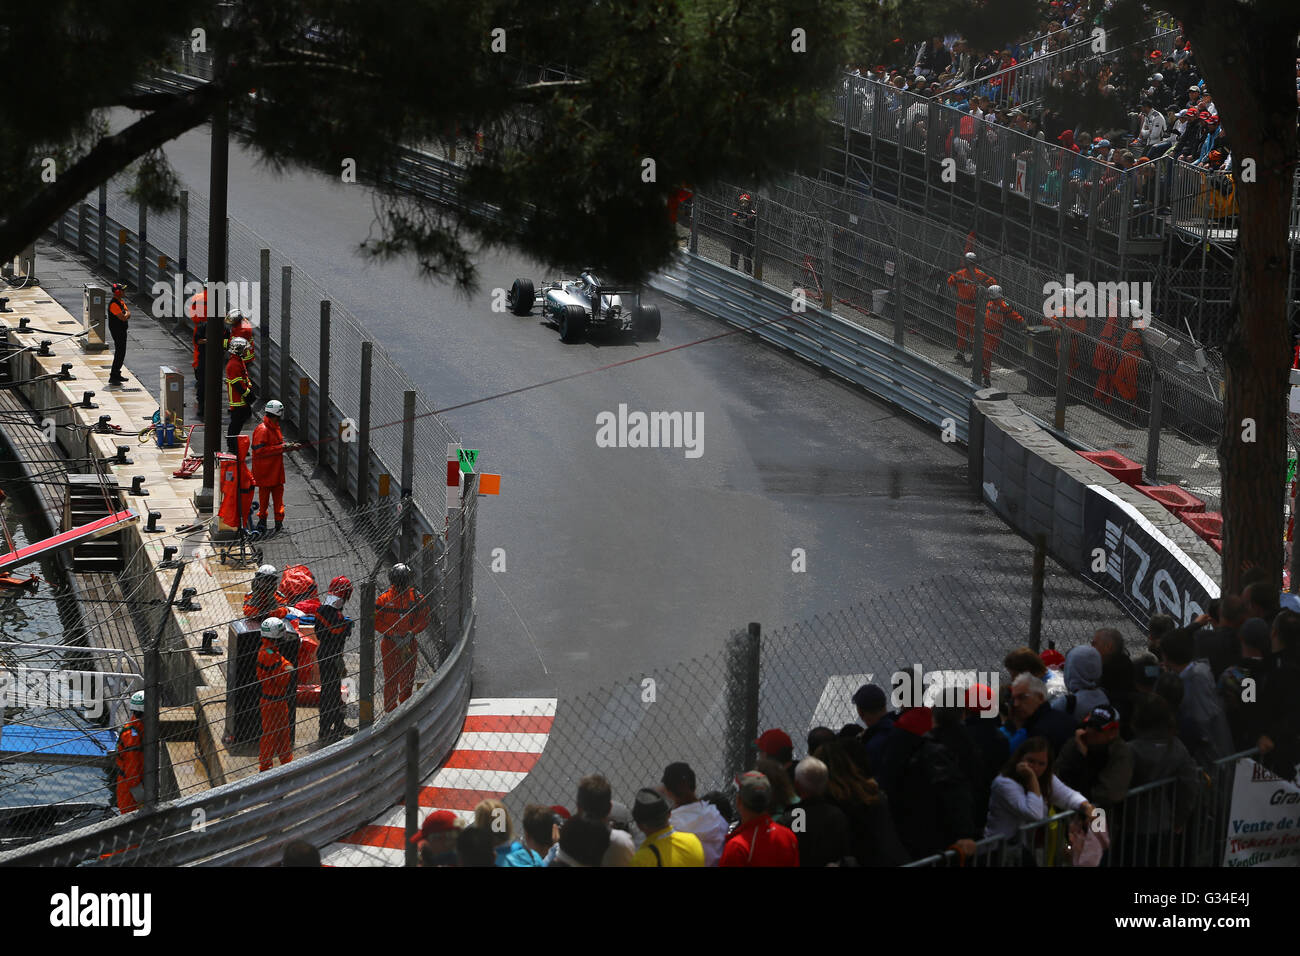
[412, 794]
[1063, 346]
[695, 225]
[1152, 463]
[758, 236]
[83, 223]
[366, 677]
[408, 470]
[1036, 594]
[828, 252]
[142, 257]
[900, 307]
[122, 259]
[184, 251]
[286, 309]
[363, 427]
[149, 746]
[465, 577]
[264, 320]
[977, 343]
[742, 701]
[101, 253]
[323, 384]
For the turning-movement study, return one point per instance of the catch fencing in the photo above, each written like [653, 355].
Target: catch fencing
[344, 396]
[882, 269]
[384, 446]
[709, 710]
[210, 715]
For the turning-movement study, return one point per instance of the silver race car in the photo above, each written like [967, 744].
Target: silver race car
[581, 304]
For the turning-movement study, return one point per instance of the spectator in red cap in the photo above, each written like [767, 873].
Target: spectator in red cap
[436, 839]
[759, 840]
[332, 631]
[777, 745]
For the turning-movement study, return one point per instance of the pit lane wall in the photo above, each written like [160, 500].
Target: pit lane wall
[1121, 541]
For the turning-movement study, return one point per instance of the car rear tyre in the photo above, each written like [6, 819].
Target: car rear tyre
[520, 298]
[646, 322]
[573, 323]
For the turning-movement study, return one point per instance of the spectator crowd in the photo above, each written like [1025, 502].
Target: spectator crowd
[1160, 108]
[1072, 733]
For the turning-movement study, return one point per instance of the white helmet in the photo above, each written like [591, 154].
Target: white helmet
[275, 407]
[970, 256]
[137, 702]
[273, 629]
[238, 345]
[995, 292]
[233, 316]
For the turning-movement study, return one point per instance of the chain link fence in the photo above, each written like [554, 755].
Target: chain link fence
[708, 711]
[895, 273]
[210, 713]
[209, 721]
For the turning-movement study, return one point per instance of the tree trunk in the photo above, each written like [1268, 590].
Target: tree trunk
[1248, 61]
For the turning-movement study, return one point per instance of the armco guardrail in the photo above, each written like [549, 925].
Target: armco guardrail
[864, 358]
[331, 792]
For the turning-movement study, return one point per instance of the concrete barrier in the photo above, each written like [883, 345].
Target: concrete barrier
[1116, 538]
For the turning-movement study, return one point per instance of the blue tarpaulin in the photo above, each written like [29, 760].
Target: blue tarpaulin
[61, 745]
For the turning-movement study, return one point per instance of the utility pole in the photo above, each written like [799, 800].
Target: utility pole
[219, 167]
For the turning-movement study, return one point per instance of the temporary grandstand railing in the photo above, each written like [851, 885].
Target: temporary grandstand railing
[1027, 81]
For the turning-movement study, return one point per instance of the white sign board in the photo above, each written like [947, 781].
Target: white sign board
[1022, 170]
[1264, 823]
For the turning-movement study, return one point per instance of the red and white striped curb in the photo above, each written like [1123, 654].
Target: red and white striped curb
[502, 739]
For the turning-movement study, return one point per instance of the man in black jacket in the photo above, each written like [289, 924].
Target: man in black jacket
[821, 827]
[1279, 699]
[1029, 710]
[1245, 718]
[1116, 674]
[929, 797]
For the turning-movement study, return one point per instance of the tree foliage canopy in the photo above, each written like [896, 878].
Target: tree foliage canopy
[707, 89]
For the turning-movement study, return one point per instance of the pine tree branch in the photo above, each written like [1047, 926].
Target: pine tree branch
[110, 156]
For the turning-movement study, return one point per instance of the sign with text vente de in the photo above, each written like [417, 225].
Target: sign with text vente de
[1264, 824]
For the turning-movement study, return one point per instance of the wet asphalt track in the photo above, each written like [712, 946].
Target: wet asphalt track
[623, 560]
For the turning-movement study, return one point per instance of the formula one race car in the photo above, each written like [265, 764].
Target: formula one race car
[581, 304]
